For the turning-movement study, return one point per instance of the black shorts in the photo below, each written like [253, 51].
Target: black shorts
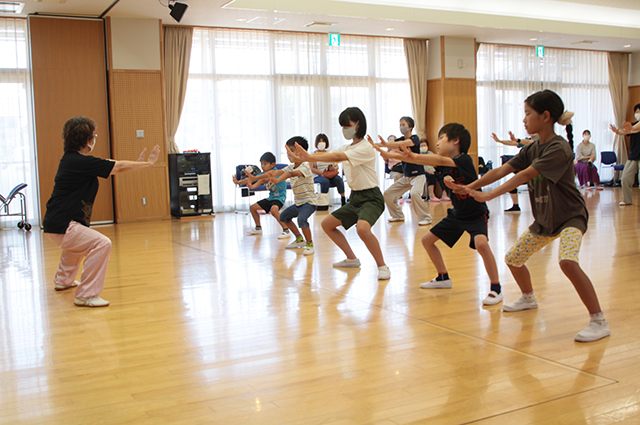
[266, 204]
[451, 228]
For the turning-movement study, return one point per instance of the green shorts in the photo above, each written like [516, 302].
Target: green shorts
[367, 205]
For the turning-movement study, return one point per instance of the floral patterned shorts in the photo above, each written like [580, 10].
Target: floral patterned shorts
[528, 244]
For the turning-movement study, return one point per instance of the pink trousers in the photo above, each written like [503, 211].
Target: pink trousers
[80, 241]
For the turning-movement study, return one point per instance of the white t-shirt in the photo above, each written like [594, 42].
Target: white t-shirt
[360, 169]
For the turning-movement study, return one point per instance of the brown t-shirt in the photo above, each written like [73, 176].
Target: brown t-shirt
[555, 201]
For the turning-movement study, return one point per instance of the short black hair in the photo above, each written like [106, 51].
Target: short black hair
[300, 140]
[546, 100]
[322, 138]
[424, 139]
[354, 114]
[586, 131]
[635, 108]
[409, 121]
[77, 132]
[457, 131]
[268, 157]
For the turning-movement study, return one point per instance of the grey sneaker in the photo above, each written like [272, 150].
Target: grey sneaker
[254, 232]
[522, 304]
[436, 284]
[596, 330]
[91, 302]
[348, 263]
[425, 221]
[284, 235]
[296, 245]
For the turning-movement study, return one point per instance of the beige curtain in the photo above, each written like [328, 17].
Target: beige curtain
[177, 54]
[416, 54]
[619, 88]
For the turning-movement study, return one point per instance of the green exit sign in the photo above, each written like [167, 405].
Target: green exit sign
[540, 51]
[334, 39]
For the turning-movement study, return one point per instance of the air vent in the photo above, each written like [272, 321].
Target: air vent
[584, 42]
[320, 24]
[51, 1]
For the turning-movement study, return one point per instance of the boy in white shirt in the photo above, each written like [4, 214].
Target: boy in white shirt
[366, 202]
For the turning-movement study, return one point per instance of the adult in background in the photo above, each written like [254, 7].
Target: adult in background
[327, 173]
[633, 162]
[585, 170]
[68, 216]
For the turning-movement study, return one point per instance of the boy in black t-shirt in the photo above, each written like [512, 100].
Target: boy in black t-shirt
[467, 214]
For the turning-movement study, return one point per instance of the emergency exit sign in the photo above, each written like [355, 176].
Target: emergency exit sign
[334, 39]
[540, 51]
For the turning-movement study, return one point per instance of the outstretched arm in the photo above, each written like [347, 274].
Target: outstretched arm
[631, 129]
[283, 175]
[504, 142]
[522, 177]
[301, 155]
[407, 155]
[127, 166]
[391, 145]
[492, 176]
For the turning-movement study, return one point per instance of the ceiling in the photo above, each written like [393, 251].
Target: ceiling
[582, 24]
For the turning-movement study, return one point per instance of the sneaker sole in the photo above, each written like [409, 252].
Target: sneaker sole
[436, 287]
[504, 308]
[90, 306]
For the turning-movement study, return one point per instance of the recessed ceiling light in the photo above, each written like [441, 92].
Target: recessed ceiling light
[11, 7]
[533, 39]
[627, 45]
[241, 19]
[390, 29]
[320, 24]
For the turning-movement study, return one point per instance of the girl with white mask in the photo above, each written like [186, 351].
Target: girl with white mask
[366, 203]
[327, 175]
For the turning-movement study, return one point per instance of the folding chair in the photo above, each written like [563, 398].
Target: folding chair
[4, 207]
[609, 159]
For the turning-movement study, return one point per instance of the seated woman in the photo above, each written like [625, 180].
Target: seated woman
[585, 170]
[327, 174]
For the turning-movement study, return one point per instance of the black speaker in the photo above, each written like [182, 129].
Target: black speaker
[177, 10]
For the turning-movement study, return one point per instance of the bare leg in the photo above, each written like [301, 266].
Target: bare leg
[254, 213]
[370, 240]
[514, 198]
[306, 231]
[330, 226]
[522, 277]
[482, 246]
[432, 192]
[294, 229]
[429, 242]
[275, 212]
[583, 285]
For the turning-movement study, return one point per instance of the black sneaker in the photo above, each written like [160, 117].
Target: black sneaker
[513, 209]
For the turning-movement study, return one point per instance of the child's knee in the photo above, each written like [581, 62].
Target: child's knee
[429, 239]
[568, 266]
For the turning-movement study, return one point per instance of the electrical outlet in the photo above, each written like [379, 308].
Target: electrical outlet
[139, 134]
[144, 201]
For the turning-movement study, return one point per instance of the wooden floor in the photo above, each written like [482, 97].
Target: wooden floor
[207, 325]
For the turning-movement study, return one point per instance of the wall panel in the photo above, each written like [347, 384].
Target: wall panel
[460, 106]
[69, 79]
[137, 104]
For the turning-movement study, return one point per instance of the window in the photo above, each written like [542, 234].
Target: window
[250, 91]
[507, 75]
[17, 159]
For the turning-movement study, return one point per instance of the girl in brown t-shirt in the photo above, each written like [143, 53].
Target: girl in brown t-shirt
[546, 165]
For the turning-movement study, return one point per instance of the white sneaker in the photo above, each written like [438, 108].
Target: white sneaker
[596, 330]
[308, 250]
[522, 304]
[59, 287]
[424, 222]
[395, 219]
[91, 302]
[493, 298]
[254, 232]
[284, 235]
[622, 204]
[436, 284]
[384, 273]
[296, 245]
[347, 263]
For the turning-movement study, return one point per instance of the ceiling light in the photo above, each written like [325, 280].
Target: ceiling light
[533, 39]
[584, 42]
[390, 29]
[241, 19]
[627, 45]
[50, 1]
[11, 7]
[320, 24]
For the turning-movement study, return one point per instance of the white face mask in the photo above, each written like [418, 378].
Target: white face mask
[349, 132]
[322, 146]
[637, 115]
[586, 137]
[424, 150]
[404, 129]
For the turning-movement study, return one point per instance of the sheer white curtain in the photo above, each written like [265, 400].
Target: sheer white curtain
[250, 91]
[17, 158]
[506, 75]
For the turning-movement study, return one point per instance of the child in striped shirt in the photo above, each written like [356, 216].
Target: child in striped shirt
[304, 195]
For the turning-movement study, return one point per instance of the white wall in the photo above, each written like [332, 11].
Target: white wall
[135, 43]
[459, 57]
[634, 71]
[434, 68]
